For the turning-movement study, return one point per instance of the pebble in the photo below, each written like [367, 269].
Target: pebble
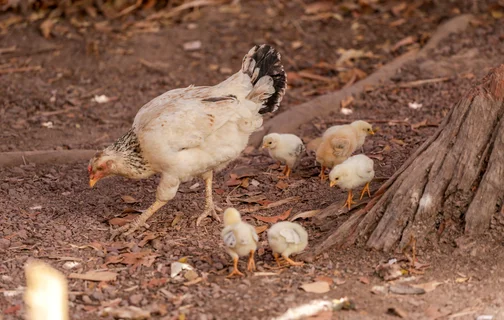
[98, 295]
[4, 244]
[86, 299]
[135, 299]
[218, 266]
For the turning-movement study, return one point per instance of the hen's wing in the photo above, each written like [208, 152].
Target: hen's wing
[184, 118]
[290, 235]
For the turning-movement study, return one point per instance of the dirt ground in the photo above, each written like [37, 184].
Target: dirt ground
[49, 212]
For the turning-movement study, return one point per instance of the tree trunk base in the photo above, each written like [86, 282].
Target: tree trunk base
[455, 179]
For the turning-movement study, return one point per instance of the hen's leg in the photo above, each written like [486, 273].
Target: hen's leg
[139, 221]
[209, 205]
[366, 188]
[166, 190]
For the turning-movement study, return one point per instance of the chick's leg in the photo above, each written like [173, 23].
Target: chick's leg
[277, 259]
[366, 188]
[349, 200]
[292, 262]
[322, 173]
[209, 204]
[251, 263]
[235, 271]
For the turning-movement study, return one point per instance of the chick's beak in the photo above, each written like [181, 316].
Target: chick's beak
[264, 146]
[371, 132]
[93, 180]
[332, 184]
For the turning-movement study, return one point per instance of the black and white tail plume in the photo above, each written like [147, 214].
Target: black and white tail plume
[262, 64]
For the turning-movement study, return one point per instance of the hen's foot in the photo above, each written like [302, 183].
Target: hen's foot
[209, 211]
[127, 229]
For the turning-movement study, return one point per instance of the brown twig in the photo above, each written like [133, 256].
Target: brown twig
[22, 69]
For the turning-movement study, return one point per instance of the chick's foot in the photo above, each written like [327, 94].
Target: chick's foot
[251, 263]
[292, 262]
[235, 271]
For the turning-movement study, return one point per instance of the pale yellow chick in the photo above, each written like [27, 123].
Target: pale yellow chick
[286, 238]
[240, 239]
[354, 172]
[339, 142]
[286, 148]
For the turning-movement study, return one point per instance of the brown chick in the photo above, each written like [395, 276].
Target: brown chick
[339, 142]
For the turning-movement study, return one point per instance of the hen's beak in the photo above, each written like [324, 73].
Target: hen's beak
[93, 181]
[332, 184]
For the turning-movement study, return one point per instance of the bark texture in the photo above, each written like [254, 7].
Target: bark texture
[455, 177]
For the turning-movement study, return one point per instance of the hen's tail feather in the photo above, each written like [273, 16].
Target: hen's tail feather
[264, 61]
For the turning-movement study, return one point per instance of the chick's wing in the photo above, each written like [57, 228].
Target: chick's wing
[290, 235]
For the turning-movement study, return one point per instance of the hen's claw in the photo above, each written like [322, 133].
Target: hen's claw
[207, 213]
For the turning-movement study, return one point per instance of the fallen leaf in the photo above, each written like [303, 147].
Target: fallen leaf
[314, 76]
[389, 271]
[461, 280]
[192, 45]
[406, 289]
[404, 42]
[419, 124]
[273, 219]
[324, 278]
[296, 44]
[177, 267]
[346, 102]
[129, 199]
[219, 191]
[261, 229]
[12, 309]
[244, 183]
[398, 141]
[364, 280]
[395, 311]
[396, 10]
[414, 105]
[191, 275]
[380, 290]
[122, 221]
[94, 276]
[497, 14]
[282, 185]
[148, 237]
[101, 99]
[177, 219]
[316, 287]
[347, 55]
[305, 214]
[245, 171]
[193, 282]
[129, 312]
[428, 286]
[317, 7]
[46, 27]
[397, 23]
[156, 282]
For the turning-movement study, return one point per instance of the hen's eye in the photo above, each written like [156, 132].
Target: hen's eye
[99, 169]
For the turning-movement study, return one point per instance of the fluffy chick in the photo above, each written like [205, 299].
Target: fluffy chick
[286, 148]
[339, 142]
[352, 173]
[240, 239]
[286, 238]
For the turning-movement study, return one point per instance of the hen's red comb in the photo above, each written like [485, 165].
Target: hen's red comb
[89, 168]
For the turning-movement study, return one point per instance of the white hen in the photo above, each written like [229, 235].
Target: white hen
[240, 239]
[185, 133]
[286, 238]
[286, 148]
[352, 173]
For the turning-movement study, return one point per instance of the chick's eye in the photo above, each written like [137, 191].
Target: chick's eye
[269, 142]
[336, 179]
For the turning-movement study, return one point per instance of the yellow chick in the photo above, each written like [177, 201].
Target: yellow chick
[339, 142]
[240, 239]
[286, 148]
[352, 173]
[286, 238]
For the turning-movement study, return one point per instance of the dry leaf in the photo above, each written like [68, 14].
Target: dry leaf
[404, 42]
[122, 221]
[396, 10]
[148, 237]
[313, 76]
[266, 204]
[461, 280]
[346, 102]
[428, 286]
[324, 278]
[317, 7]
[46, 27]
[397, 23]
[192, 45]
[350, 54]
[190, 275]
[282, 185]
[261, 229]
[94, 276]
[177, 219]
[156, 282]
[364, 280]
[419, 124]
[177, 267]
[316, 287]
[296, 44]
[395, 311]
[398, 141]
[129, 199]
[129, 312]
[305, 214]
[405, 289]
[273, 219]
[112, 260]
